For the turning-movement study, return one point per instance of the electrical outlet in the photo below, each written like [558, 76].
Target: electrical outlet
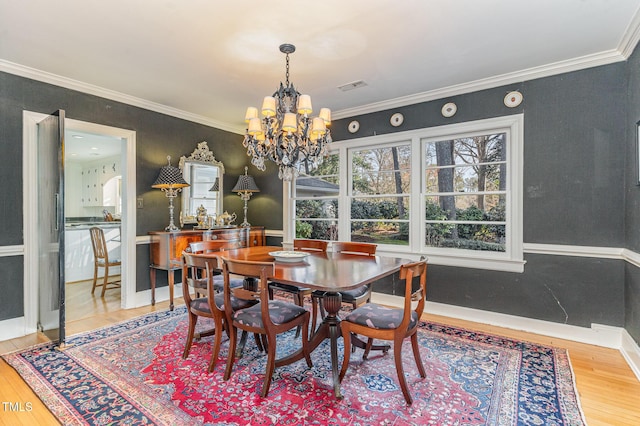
[139, 203]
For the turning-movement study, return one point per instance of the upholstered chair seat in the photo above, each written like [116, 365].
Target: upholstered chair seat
[380, 317]
[280, 312]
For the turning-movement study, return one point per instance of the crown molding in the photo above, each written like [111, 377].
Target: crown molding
[56, 80]
[631, 36]
[588, 61]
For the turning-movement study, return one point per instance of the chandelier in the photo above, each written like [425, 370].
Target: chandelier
[286, 134]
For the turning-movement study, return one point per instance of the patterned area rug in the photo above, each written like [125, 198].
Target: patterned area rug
[133, 373]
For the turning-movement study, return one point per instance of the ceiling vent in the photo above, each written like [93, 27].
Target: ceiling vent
[352, 85]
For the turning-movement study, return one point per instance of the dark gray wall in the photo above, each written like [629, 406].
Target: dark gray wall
[575, 186]
[574, 153]
[632, 198]
[157, 135]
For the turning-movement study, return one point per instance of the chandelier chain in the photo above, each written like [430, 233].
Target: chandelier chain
[287, 73]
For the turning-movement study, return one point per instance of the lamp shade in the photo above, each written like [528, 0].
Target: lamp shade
[269, 106]
[216, 185]
[169, 177]
[289, 123]
[245, 183]
[252, 112]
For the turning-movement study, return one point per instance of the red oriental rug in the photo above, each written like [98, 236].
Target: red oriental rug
[133, 373]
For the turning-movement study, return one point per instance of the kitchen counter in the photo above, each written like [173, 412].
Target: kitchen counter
[78, 250]
[87, 225]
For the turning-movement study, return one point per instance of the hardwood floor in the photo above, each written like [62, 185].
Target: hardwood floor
[609, 391]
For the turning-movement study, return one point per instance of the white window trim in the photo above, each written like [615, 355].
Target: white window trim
[510, 261]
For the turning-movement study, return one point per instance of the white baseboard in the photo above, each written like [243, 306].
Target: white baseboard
[631, 352]
[143, 298]
[599, 335]
[14, 327]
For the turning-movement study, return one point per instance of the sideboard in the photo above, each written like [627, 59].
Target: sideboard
[166, 249]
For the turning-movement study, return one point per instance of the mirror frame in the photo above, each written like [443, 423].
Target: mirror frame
[203, 156]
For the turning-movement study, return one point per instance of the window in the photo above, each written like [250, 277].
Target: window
[380, 194]
[465, 192]
[202, 177]
[316, 201]
[452, 193]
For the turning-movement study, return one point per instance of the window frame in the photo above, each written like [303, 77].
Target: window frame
[511, 260]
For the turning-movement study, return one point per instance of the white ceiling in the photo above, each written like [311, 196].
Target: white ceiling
[208, 60]
[83, 147]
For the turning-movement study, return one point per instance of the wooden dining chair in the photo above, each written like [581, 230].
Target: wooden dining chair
[212, 246]
[209, 246]
[101, 260]
[355, 297]
[393, 324]
[202, 300]
[299, 293]
[268, 318]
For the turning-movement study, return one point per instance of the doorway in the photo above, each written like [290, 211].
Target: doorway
[92, 198]
[30, 205]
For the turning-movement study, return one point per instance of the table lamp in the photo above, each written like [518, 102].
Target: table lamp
[245, 187]
[170, 181]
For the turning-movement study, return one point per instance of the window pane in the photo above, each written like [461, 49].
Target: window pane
[323, 181]
[464, 207]
[380, 208]
[481, 237]
[382, 170]
[472, 164]
[316, 219]
[377, 214]
[320, 229]
[326, 208]
[477, 178]
[380, 232]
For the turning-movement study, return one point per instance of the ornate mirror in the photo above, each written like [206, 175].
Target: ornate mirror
[204, 175]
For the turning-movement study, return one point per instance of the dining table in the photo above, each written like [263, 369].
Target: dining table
[327, 272]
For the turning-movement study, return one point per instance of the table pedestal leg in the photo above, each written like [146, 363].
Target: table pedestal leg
[332, 303]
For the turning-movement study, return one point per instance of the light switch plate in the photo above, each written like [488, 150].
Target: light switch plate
[139, 203]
